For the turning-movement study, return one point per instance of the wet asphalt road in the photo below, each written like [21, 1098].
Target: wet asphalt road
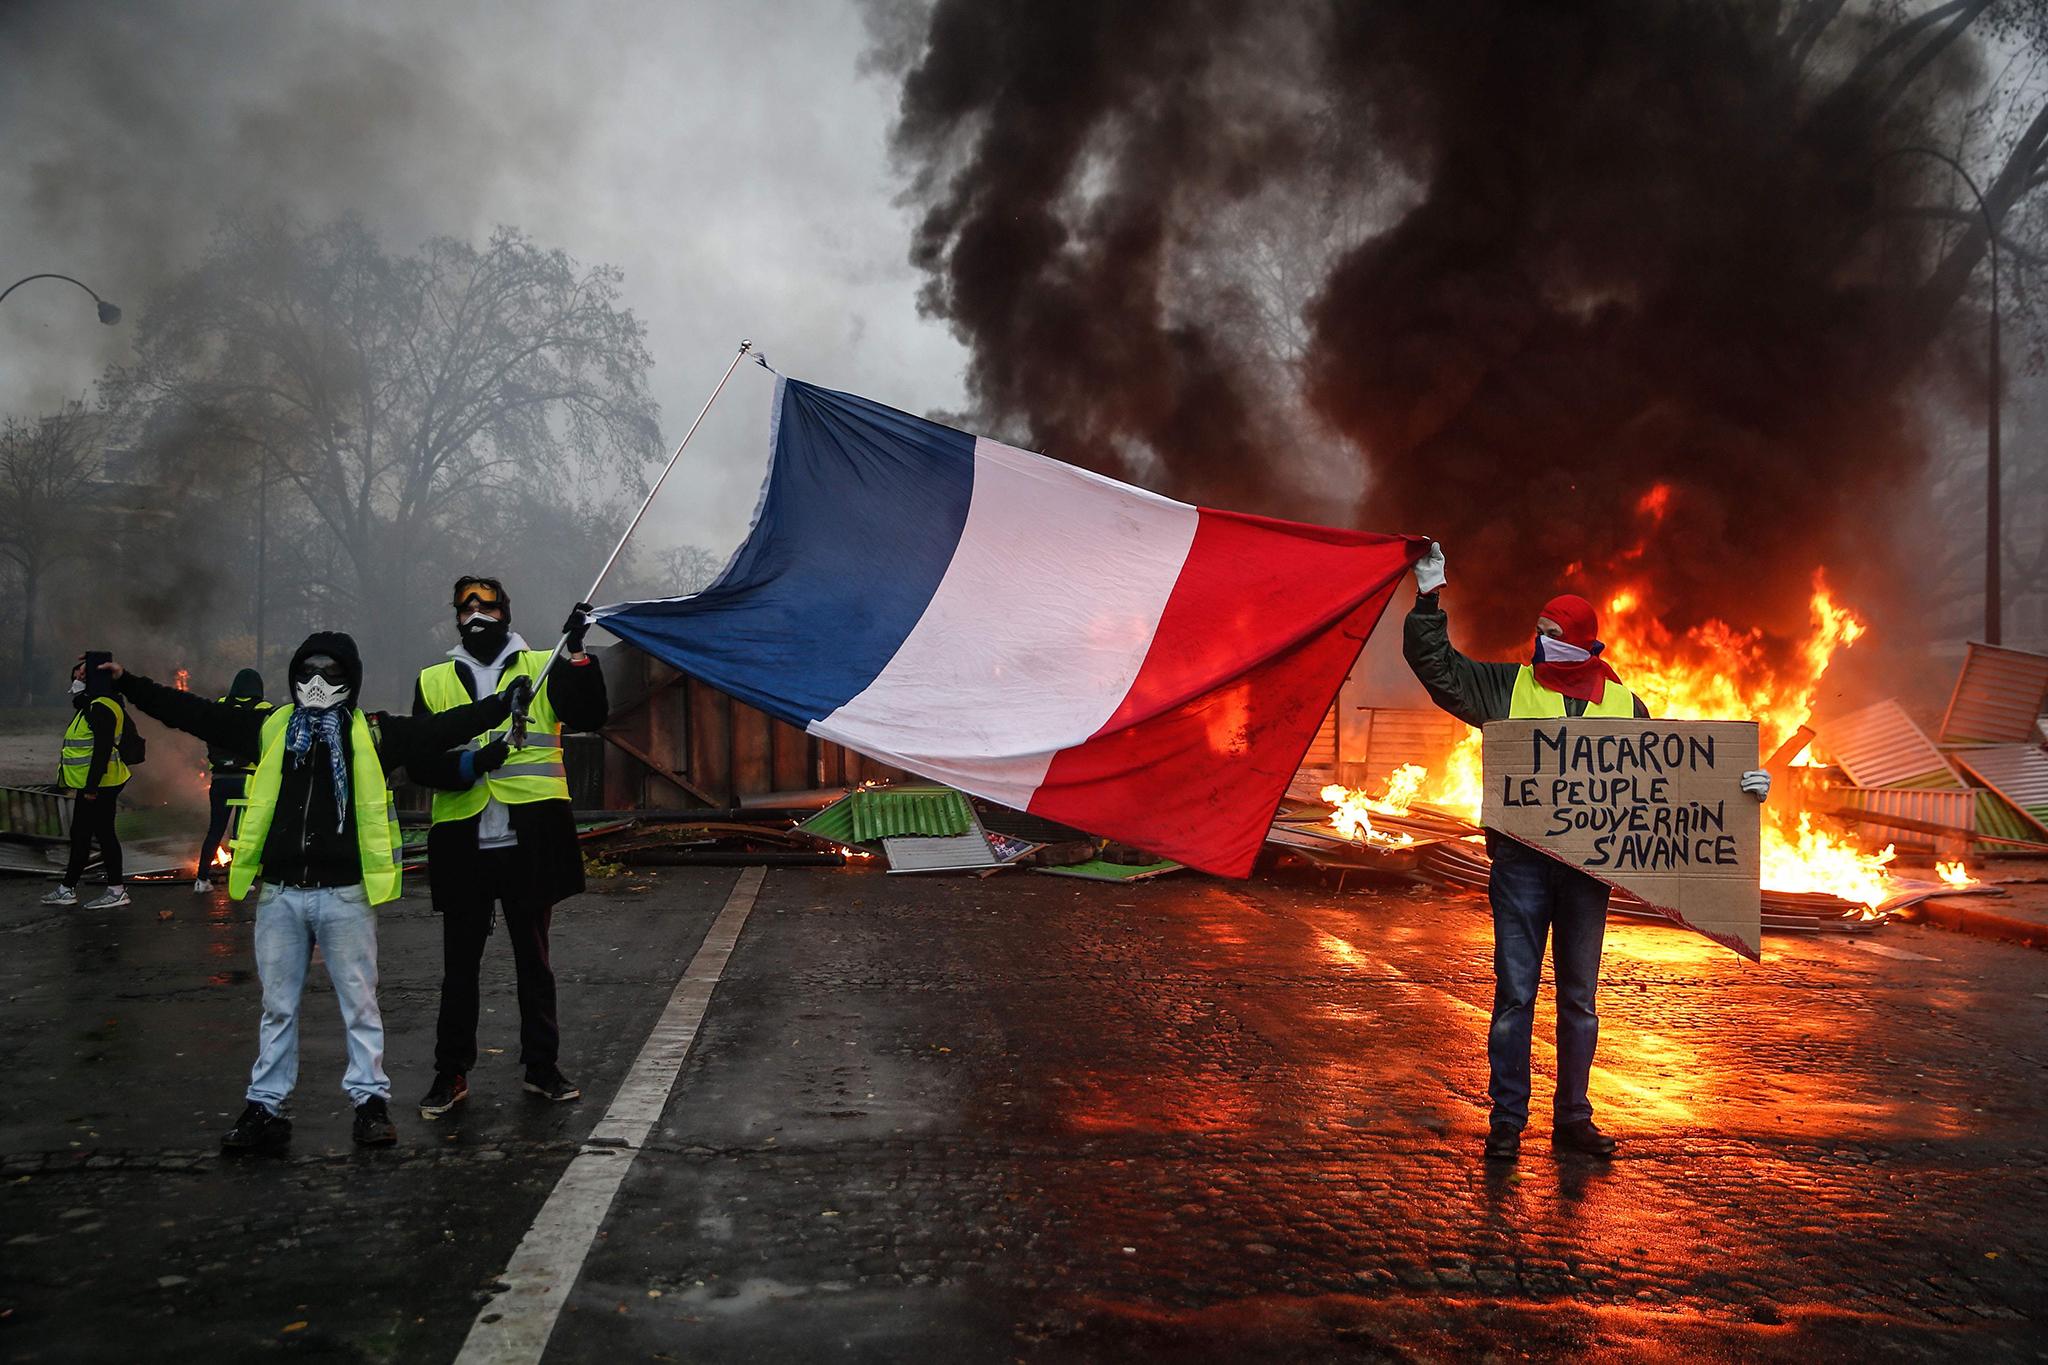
[1028, 1118]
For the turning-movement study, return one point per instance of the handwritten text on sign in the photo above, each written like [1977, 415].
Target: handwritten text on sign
[1652, 807]
[1621, 789]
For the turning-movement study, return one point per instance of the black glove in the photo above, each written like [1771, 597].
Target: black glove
[577, 626]
[519, 693]
[490, 758]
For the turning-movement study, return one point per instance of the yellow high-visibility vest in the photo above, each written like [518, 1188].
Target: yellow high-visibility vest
[533, 771]
[76, 762]
[378, 843]
[1534, 701]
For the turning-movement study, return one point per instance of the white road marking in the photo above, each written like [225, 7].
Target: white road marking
[514, 1326]
[1886, 950]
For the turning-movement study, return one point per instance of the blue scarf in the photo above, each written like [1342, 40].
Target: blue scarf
[301, 730]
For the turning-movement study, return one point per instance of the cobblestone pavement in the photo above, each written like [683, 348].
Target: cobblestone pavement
[1024, 1118]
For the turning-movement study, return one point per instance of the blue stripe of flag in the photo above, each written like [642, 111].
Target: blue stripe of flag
[863, 510]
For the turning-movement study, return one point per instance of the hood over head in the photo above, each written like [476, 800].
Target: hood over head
[339, 645]
[248, 683]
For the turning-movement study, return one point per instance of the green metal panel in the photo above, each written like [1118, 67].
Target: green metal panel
[892, 812]
[1095, 869]
[1996, 816]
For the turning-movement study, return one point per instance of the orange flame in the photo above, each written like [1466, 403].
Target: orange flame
[1353, 818]
[1954, 874]
[1711, 672]
[182, 680]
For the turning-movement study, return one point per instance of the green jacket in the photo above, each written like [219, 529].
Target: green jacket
[1470, 689]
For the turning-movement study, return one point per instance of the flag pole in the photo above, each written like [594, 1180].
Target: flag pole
[518, 735]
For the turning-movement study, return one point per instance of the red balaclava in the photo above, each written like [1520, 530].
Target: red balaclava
[1581, 673]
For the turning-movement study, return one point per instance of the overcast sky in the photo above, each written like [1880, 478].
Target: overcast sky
[731, 159]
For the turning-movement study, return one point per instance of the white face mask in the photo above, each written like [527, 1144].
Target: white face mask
[77, 686]
[318, 694]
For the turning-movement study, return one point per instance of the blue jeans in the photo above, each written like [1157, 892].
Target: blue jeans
[1534, 896]
[289, 920]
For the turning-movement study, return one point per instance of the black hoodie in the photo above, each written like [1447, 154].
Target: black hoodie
[307, 845]
[247, 693]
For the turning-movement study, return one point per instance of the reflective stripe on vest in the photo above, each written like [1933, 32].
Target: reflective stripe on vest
[378, 844]
[532, 772]
[1534, 701]
[228, 767]
[74, 764]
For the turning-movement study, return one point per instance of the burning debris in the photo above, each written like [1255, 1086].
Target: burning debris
[1810, 855]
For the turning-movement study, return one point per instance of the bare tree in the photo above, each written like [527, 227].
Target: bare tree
[46, 467]
[687, 568]
[418, 405]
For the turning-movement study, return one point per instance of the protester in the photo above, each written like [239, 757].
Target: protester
[1534, 895]
[503, 834]
[91, 766]
[229, 774]
[320, 830]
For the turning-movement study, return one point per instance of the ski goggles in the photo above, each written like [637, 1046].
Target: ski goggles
[323, 666]
[473, 594]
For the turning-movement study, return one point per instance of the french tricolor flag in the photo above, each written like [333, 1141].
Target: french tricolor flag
[1027, 631]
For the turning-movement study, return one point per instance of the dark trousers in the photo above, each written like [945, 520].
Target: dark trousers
[226, 787]
[94, 821]
[1534, 896]
[465, 926]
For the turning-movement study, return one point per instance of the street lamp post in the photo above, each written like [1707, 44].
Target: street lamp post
[1993, 610]
[109, 314]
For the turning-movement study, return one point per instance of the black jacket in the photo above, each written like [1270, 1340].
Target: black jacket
[247, 693]
[309, 844]
[1470, 689]
[550, 860]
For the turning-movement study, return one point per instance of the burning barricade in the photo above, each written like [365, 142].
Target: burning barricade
[1844, 802]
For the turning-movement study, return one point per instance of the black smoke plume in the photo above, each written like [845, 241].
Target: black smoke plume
[1548, 260]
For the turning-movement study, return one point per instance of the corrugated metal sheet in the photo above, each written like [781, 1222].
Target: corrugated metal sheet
[1998, 696]
[1955, 807]
[1322, 750]
[890, 812]
[961, 852]
[1379, 739]
[42, 812]
[1880, 746]
[1996, 815]
[2017, 772]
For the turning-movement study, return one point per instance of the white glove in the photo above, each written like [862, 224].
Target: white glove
[1756, 782]
[1429, 570]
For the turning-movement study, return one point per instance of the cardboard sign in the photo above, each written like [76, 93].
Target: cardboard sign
[1654, 808]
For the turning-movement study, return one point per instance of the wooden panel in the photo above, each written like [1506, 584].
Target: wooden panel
[752, 772]
[790, 766]
[710, 734]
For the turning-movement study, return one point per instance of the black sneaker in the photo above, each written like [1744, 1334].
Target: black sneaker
[552, 1084]
[258, 1130]
[373, 1124]
[1503, 1142]
[449, 1089]
[1582, 1137]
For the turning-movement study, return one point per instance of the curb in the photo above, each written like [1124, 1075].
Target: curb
[1968, 917]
